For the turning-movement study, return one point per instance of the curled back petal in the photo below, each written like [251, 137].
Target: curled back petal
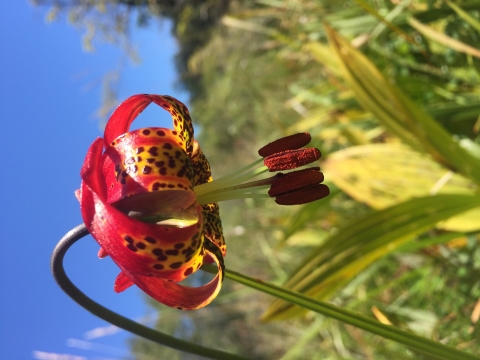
[121, 119]
[102, 253]
[123, 116]
[182, 122]
[201, 166]
[91, 165]
[122, 282]
[180, 296]
[212, 224]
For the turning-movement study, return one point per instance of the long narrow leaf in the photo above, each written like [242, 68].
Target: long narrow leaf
[443, 39]
[464, 15]
[362, 242]
[423, 243]
[393, 27]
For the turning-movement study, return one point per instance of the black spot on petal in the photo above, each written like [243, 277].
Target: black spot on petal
[150, 239]
[132, 247]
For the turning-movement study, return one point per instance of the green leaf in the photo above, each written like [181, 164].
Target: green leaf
[423, 243]
[382, 175]
[393, 27]
[443, 39]
[426, 346]
[398, 113]
[362, 242]
[464, 15]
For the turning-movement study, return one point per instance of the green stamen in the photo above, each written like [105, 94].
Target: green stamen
[259, 192]
[232, 179]
[245, 168]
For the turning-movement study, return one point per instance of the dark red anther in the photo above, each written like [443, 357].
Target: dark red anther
[291, 159]
[291, 142]
[304, 196]
[294, 181]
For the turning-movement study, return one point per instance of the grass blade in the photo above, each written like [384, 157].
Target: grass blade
[464, 15]
[443, 39]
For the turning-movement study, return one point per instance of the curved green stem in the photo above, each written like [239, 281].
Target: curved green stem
[122, 322]
[424, 345]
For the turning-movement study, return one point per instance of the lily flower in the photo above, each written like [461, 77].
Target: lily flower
[148, 198]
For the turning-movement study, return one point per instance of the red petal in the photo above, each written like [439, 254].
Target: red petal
[123, 116]
[135, 267]
[122, 283]
[91, 165]
[78, 194]
[142, 248]
[201, 166]
[212, 226]
[148, 171]
[102, 253]
[139, 247]
[180, 296]
[182, 121]
[121, 119]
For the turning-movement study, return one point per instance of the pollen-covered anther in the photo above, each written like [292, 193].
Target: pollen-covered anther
[291, 182]
[291, 159]
[304, 196]
[291, 142]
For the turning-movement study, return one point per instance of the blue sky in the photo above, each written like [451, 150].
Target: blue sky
[50, 90]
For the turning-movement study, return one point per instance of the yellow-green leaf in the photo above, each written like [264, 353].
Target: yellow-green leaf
[382, 175]
[464, 15]
[443, 39]
[362, 242]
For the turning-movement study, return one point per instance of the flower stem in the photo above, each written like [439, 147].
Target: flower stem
[424, 345]
[102, 312]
